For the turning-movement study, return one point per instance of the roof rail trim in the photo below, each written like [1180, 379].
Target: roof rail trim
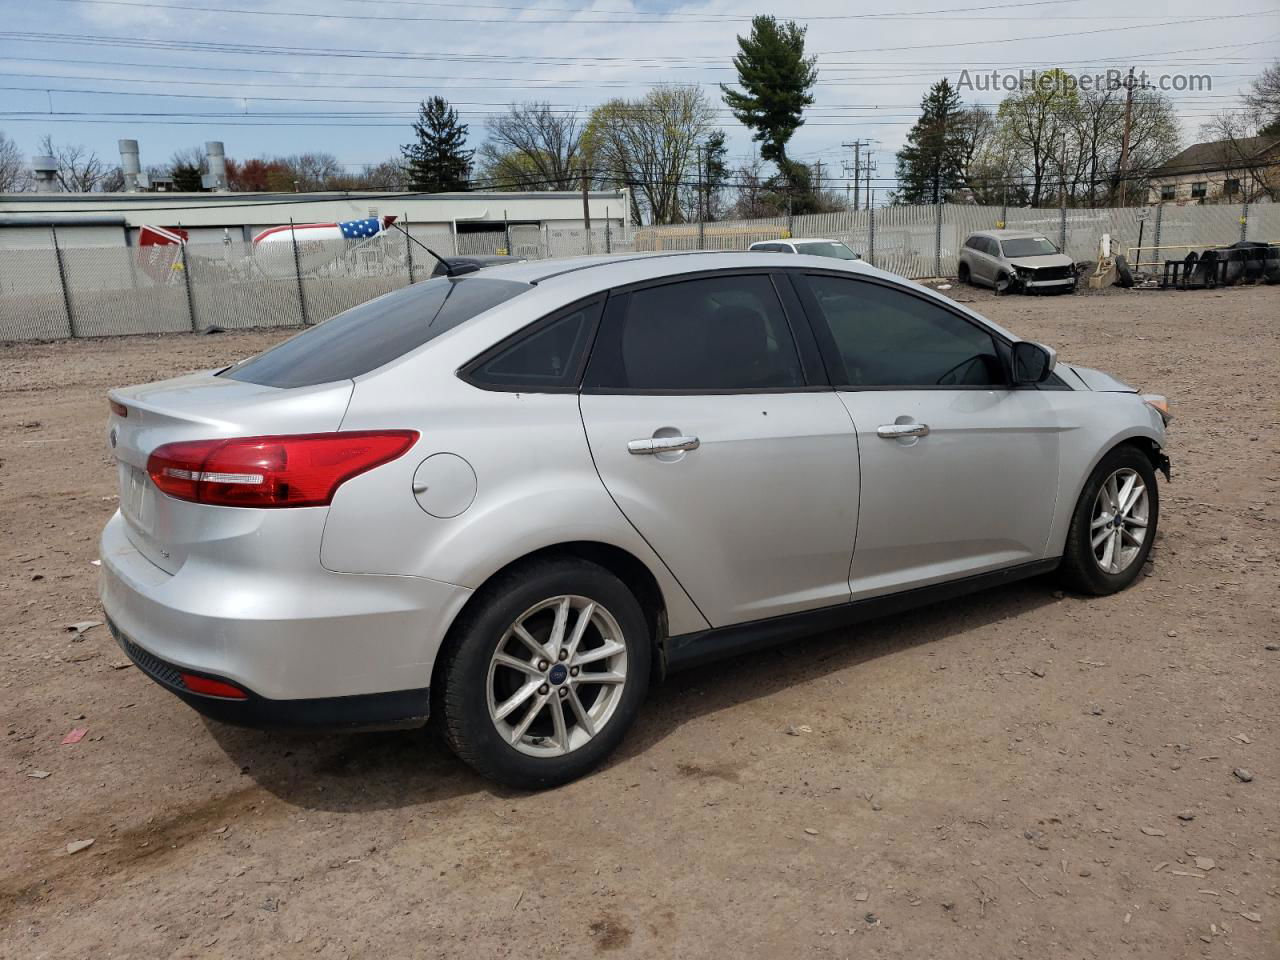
[643, 256]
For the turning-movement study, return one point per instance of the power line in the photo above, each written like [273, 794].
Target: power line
[612, 17]
[365, 53]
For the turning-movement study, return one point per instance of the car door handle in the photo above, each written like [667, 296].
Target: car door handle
[895, 431]
[663, 444]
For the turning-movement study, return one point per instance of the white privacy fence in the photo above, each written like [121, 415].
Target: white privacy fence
[57, 291]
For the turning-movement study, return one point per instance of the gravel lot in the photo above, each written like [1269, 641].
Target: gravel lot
[913, 788]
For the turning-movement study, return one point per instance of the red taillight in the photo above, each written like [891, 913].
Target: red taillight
[291, 471]
[212, 688]
[119, 409]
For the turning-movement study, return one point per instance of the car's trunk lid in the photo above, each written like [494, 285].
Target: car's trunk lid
[202, 406]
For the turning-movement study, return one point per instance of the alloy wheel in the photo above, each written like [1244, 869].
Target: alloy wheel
[1118, 528]
[557, 676]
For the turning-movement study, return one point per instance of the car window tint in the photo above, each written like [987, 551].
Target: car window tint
[711, 334]
[550, 357]
[826, 248]
[890, 338]
[365, 337]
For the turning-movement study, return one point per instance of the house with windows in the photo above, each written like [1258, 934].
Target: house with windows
[1223, 171]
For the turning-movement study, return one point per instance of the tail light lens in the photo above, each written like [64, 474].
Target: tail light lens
[290, 471]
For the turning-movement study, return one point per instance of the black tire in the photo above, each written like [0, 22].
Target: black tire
[1080, 570]
[963, 275]
[1123, 272]
[1003, 284]
[460, 693]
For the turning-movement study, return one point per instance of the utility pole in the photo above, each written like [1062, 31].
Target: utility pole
[817, 176]
[1124, 140]
[698, 149]
[856, 147]
[586, 209]
[869, 166]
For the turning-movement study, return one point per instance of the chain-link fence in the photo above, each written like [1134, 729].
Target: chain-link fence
[57, 291]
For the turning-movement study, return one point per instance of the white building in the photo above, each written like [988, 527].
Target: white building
[113, 219]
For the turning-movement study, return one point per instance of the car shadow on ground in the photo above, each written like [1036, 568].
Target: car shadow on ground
[373, 771]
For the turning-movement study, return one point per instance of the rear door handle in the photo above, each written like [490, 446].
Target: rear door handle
[663, 444]
[895, 431]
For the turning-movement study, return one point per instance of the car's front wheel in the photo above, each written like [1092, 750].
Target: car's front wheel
[545, 673]
[1114, 524]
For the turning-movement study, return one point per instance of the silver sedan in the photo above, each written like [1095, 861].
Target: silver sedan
[509, 501]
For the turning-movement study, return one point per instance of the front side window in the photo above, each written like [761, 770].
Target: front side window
[884, 337]
[1029, 247]
[709, 335]
[374, 333]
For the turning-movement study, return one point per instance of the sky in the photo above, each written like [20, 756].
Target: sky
[345, 76]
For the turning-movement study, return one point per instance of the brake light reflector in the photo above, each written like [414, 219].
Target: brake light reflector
[119, 409]
[212, 688]
[288, 471]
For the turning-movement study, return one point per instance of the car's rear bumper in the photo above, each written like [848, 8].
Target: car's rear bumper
[297, 642]
[372, 711]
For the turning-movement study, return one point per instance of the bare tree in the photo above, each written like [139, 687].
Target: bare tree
[314, 171]
[1263, 99]
[79, 168]
[13, 174]
[387, 175]
[650, 144]
[532, 147]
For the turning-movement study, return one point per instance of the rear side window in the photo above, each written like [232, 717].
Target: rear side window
[713, 334]
[548, 358]
[365, 337]
[884, 337]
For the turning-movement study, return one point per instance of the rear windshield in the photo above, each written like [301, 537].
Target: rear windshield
[365, 337]
[1029, 247]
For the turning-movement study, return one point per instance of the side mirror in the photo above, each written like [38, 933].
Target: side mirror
[1032, 362]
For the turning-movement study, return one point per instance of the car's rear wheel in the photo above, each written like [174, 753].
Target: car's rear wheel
[963, 275]
[1114, 524]
[545, 674]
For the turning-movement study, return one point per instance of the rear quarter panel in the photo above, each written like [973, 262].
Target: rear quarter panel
[536, 484]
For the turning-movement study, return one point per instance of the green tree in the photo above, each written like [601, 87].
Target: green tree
[931, 163]
[714, 174]
[438, 161]
[777, 80]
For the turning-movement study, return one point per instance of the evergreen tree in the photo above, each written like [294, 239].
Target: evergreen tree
[439, 161]
[715, 174]
[931, 164]
[186, 178]
[777, 80]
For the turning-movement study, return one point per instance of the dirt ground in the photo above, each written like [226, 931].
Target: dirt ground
[1019, 774]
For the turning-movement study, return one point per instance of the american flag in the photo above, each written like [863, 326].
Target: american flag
[357, 229]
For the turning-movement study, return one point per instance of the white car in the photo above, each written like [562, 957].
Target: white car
[508, 499]
[808, 246]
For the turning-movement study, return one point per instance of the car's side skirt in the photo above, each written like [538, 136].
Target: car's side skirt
[694, 649]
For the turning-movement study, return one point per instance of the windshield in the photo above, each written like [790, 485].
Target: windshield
[377, 332]
[827, 248]
[1029, 247]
